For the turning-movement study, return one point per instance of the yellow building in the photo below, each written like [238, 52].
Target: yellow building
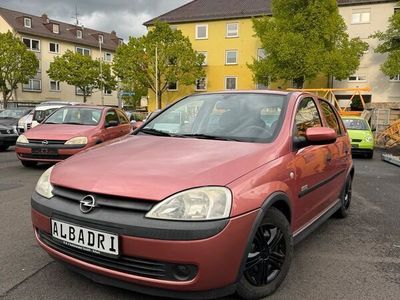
[223, 32]
[49, 38]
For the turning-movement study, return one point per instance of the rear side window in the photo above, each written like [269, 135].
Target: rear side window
[307, 116]
[330, 117]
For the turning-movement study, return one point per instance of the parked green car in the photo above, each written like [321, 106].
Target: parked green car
[361, 137]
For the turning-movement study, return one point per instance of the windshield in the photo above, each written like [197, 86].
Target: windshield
[75, 116]
[355, 124]
[13, 113]
[244, 117]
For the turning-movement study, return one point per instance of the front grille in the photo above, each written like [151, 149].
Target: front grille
[44, 156]
[356, 141]
[130, 265]
[105, 201]
[47, 142]
[6, 131]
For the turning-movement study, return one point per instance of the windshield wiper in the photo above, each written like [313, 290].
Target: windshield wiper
[211, 137]
[71, 123]
[156, 132]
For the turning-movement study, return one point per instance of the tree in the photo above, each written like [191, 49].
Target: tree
[135, 62]
[305, 38]
[390, 43]
[17, 64]
[83, 72]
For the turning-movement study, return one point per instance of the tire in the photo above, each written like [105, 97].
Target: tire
[4, 147]
[345, 199]
[269, 258]
[28, 164]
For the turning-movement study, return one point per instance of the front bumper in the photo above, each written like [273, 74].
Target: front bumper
[47, 153]
[8, 139]
[217, 255]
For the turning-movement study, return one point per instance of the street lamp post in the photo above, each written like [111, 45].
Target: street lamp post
[157, 104]
[101, 73]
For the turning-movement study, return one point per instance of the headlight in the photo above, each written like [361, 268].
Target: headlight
[81, 140]
[22, 139]
[199, 204]
[43, 186]
[368, 139]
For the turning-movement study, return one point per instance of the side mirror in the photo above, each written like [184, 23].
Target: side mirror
[111, 123]
[320, 136]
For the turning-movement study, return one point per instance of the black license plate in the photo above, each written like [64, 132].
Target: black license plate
[44, 151]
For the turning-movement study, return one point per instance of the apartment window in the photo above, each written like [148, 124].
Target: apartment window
[232, 30]
[360, 17]
[101, 38]
[54, 47]
[79, 91]
[54, 86]
[201, 84]
[56, 28]
[231, 57]
[358, 78]
[172, 86]
[261, 54]
[230, 83]
[79, 34]
[83, 51]
[33, 85]
[27, 22]
[107, 91]
[107, 56]
[205, 57]
[32, 44]
[395, 78]
[202, 32]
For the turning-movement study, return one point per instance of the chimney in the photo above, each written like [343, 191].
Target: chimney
[113, 34]
[45, 19]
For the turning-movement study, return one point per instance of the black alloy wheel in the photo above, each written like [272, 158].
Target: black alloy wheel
[345, 199]
[269, 257]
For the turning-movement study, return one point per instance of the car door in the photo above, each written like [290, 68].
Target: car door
[340, 150]
[111, 125]
[311, 162]
[124, 126]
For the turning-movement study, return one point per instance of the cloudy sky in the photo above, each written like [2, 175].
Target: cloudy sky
[124, 16]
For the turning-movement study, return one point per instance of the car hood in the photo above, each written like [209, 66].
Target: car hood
[153, 168]
[359, 134]
[58, 131]
[8, 122]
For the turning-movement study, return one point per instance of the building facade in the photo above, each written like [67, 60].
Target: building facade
[50, 38]
[222, 30]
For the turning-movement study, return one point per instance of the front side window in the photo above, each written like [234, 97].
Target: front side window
[202, 32]
[330, 117]
[233, 117]
[75, 116]
[112, 116]
[307, 116]
[231, 57]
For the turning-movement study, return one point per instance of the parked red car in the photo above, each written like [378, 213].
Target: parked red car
[70, 130]
[228, 183]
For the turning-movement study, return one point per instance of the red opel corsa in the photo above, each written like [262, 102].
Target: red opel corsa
[70, 130]
[228, 183]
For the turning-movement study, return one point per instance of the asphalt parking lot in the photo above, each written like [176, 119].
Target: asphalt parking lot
[355, 258]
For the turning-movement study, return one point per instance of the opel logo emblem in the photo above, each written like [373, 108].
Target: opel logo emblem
[87, 204]
[45, 142]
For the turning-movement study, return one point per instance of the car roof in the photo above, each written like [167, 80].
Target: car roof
[270, 92]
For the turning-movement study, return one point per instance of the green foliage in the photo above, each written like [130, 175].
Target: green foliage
[135, 62]
[17, 64]
[305, 38]
[82, 71]
[390, 43]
